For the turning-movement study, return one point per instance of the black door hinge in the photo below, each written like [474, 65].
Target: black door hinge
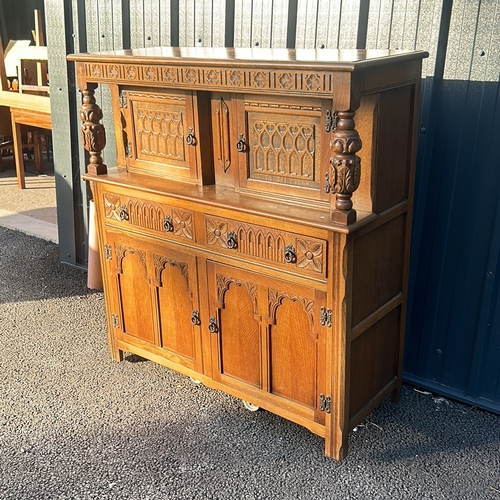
[325, 403]
[331, 121]
[123, 99]
[325, 317]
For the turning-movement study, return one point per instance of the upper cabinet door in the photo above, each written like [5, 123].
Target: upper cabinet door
[161, 133]
[283, 146]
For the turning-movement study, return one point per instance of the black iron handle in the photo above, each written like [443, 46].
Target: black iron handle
[290, 255]
[168, 226]
[241, 144]
[190, 138]
[212, 325]
[195, 317]
[123, 213]
[232, 241]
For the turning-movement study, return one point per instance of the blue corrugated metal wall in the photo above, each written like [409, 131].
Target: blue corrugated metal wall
[453, 335]
[453, 342]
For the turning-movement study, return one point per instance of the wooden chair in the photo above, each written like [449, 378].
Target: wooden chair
[23, 116]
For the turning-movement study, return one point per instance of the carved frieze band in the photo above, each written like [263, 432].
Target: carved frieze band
[223, 284]
[266, 243]
[161, 263]
[228, 78]
[148, 215]
[276, 297]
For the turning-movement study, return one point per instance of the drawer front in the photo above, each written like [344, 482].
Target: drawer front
[127, 211]
[305, 254]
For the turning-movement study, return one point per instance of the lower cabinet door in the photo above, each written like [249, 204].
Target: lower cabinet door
[267, 339]
[156, 298]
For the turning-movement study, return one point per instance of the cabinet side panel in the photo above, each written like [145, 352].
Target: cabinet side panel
[378, 268]
[374, 361]
[394, 152]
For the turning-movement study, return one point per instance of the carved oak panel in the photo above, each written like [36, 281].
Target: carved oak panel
[308, 254]
[220, 78]
[148, 215]
[159, 136]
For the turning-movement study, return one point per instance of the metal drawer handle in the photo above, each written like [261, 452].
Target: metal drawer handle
[232, 241]
[123, 213]
[290, 255]
[241, 145]
[167, 224]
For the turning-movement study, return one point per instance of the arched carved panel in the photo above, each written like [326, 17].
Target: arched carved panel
[175, 307]
[160, 263]
[122, 250]
[239, 330]
[293, 348]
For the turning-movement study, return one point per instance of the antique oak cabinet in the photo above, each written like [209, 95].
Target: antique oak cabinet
[254, 233]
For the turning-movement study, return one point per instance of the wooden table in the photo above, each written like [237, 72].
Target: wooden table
[25, 109]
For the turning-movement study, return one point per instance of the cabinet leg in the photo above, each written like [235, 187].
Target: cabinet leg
[117, 354]
[396, 395]
[336, 450]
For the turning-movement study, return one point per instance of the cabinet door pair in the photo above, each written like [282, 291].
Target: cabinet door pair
[264, 333]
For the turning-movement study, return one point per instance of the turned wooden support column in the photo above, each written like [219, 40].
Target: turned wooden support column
[345, 167]
[92, 131]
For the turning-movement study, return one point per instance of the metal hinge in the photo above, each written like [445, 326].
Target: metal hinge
[325, 403]
[123, 99]
[114, 320]
[331, 121]
[328, 187]
[108, 254]
[325, 317]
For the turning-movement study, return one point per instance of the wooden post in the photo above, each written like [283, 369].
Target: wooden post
[345, 167]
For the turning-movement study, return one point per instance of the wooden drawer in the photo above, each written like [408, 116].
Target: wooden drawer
[304, 254]
[127, 211]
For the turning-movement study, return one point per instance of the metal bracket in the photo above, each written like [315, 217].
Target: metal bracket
[325, 403]
[114, 320]
[325, 317]
[331, 121]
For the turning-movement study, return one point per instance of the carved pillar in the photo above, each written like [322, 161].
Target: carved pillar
[345, 167]
[92, 131]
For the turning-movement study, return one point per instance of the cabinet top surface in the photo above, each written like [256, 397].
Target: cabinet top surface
[340, 60]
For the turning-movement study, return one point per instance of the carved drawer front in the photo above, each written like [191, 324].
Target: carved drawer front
[303, 253]
[159, 133]
[127, 211]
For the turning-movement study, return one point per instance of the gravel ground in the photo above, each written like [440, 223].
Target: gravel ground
[74, 424]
